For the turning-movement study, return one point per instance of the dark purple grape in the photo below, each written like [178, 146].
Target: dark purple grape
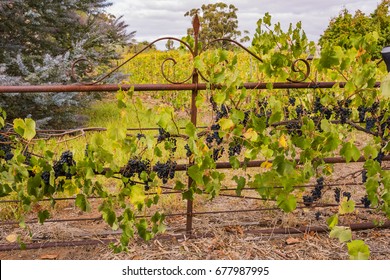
[166, 170]
[366, 202]
[136, 166]
[347, 195]
[337, 193]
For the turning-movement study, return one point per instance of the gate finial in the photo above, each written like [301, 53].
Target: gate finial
[196, 25]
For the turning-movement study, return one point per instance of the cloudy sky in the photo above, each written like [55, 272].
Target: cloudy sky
[152, 19]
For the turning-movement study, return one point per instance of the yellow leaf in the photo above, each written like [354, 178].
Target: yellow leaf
[49, 257]
[360, 52]
[159, 191]
[251, 135]
[37, 169]
[137, 195]
[283, 141]
[266, 165]
[123, 113]
[12, 238]
[205, 149]
[226, 124]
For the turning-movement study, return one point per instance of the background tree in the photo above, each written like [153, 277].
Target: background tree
[39, 42]
[33, 31]
[217, 20]
[346, 26]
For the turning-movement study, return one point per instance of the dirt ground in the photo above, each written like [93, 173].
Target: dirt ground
[224, 245]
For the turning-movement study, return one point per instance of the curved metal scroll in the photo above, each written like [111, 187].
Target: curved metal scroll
[194, 52]
[105, 76]
[87, 70]
[237, 43]
[294, 68]
[230, 41]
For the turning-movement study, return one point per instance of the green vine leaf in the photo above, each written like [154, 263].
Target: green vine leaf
[196, 174]
[287, 202]
[332, 221]
[350, 151]
[344, 234]
[116, 133]
[385, 87]
[43, 216]
[83, 203]
[347, 206]
[25, 128]
[190, 130]
[226, 124]
[241, 181]
[358, 250]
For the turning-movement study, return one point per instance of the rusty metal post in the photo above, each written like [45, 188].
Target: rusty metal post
[194, 115]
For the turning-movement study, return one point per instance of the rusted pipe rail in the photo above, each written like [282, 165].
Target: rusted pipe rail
[162, 87]
[268, 231]
[257, 163]
[99, 218]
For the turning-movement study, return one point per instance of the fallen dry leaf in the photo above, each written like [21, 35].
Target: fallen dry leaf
[49, 257]
[234, 229]
[12, 238]
[292, 241]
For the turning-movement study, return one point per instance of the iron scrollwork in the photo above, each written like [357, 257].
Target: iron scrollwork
[194, 51]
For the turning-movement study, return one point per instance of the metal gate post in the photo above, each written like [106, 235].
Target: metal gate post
[194, 115]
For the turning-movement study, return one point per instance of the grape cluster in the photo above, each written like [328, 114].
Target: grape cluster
[146, 184]
[214, 136]
[291, 100]
[365, 201]
[337, 193]
[213, 104]
[86, 152]
[318, 107]
[140, 136]
[308, 200]
[136, 166]
[294, 128]
[218, 153]
[374, 108]
[172, 144]
[166, 170]
[235, 148]
[222, 113]
[316, 193]
[5, 148]
[379, 157]
[364, 175]
[343, 111]
[300, 111]
[46, 177]
[347, 195]
[162, 135]
[246, 118]
[362, 113]
[66, 160]
[370, 123]
[188, 150]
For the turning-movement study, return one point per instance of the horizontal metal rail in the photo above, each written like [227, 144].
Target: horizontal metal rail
[100, 218]
[172, 191]
[268, 231]
[163, 87]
